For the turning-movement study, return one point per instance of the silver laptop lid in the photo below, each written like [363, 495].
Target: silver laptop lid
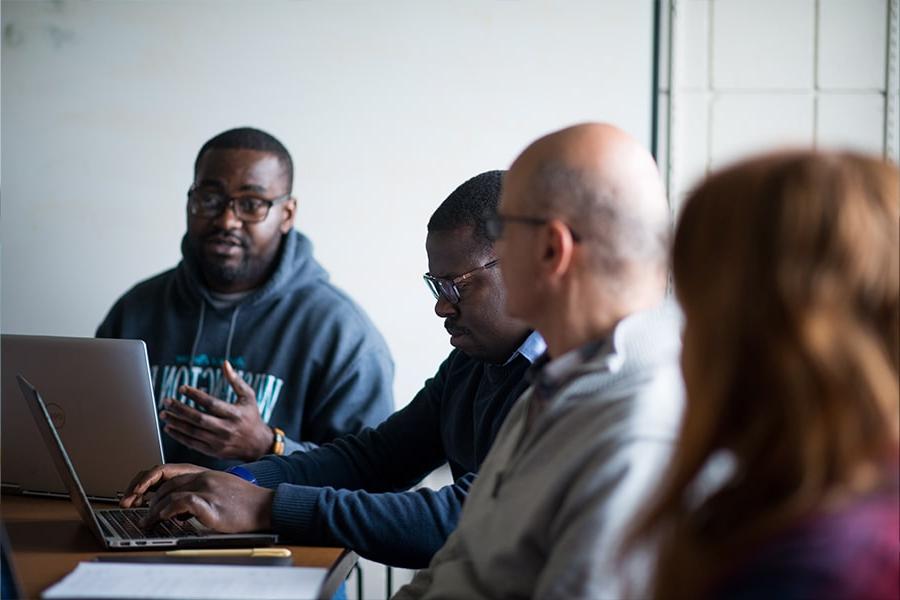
[57, 451]
[60, 458]
[100, 397]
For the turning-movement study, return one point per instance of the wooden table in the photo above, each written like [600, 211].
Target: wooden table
[49, 539]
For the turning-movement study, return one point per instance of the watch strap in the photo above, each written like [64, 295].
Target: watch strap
[278, 443]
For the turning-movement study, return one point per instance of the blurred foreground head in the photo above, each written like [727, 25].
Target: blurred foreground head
[787, 267]
[582, 233]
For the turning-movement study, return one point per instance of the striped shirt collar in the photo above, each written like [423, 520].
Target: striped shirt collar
[531, 349]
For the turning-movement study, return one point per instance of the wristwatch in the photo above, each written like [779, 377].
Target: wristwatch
[278, 443]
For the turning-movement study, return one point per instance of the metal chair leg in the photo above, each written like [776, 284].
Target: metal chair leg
[359, 580]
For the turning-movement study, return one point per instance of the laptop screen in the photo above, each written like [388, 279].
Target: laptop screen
[58, 452]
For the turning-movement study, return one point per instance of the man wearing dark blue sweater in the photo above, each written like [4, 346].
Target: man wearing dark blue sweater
[354, 492]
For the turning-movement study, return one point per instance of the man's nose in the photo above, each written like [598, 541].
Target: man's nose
[443, 308]
[228, 219]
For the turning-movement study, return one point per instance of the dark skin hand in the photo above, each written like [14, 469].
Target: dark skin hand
[142, 487]
[221, 501]
[225, 430]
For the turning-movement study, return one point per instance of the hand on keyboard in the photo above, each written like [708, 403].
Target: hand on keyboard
[221, 501]
[141, 487]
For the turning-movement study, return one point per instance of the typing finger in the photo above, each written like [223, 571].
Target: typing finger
[182, 483]
[178, 504]
[142, 485]
[142, 482]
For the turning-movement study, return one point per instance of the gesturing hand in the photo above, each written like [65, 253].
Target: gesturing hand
[224, 430]
[221, 501]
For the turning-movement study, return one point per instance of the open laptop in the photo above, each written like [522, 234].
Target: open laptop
[118, 528]
[101, 398]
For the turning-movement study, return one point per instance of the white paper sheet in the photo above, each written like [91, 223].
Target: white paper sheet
[195, 582]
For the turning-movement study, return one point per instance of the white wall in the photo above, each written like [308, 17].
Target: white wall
[747, 75]
[385, 106]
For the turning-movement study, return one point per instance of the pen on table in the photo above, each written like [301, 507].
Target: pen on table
[255, 552]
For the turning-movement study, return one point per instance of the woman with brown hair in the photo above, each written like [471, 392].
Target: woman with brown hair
[784, 482]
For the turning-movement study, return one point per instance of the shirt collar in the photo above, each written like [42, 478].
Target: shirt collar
[548, 375]
[531, 349]
[559, 369]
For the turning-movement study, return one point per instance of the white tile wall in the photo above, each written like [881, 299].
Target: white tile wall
[852, 44]
[751, 75]
[693, 44]
[665, 16]
[853, 121]
[892, 118]
[763, 44]
[692, 150]
[662, 155]
[744, 123]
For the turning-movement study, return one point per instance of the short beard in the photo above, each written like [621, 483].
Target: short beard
[219, 276]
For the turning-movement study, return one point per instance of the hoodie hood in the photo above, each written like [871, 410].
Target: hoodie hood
[295, 268]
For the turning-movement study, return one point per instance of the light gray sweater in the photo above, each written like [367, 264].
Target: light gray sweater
[546, 515]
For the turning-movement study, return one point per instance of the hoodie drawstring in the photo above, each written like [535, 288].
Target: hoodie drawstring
[199, 331]
[234, 315]
[231, 327]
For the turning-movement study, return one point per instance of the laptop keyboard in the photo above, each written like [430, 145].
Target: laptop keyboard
[126, 524]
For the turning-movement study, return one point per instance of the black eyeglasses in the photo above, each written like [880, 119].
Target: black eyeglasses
[447, 287]
[494, 225]
[209, 204]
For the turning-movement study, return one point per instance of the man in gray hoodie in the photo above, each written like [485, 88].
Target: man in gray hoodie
[250, 308]
[581, 234]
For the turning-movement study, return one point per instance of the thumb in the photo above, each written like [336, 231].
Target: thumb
[244, 392]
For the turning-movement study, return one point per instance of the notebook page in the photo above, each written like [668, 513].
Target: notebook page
[191, 582]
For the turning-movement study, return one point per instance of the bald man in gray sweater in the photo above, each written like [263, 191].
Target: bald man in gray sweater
[581, 234]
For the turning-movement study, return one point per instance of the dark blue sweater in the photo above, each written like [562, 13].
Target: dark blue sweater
[352, 492]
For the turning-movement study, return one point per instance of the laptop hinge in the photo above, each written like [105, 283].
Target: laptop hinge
[11, 488]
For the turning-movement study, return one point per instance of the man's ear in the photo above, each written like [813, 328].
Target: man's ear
[558, 247]
[288, 210]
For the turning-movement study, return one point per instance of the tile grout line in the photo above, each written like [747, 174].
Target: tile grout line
[891, 96]
[817, 22]
[711, 95]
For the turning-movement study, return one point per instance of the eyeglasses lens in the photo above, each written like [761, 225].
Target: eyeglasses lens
[448, 290]
[210, 205]
[442, 288]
